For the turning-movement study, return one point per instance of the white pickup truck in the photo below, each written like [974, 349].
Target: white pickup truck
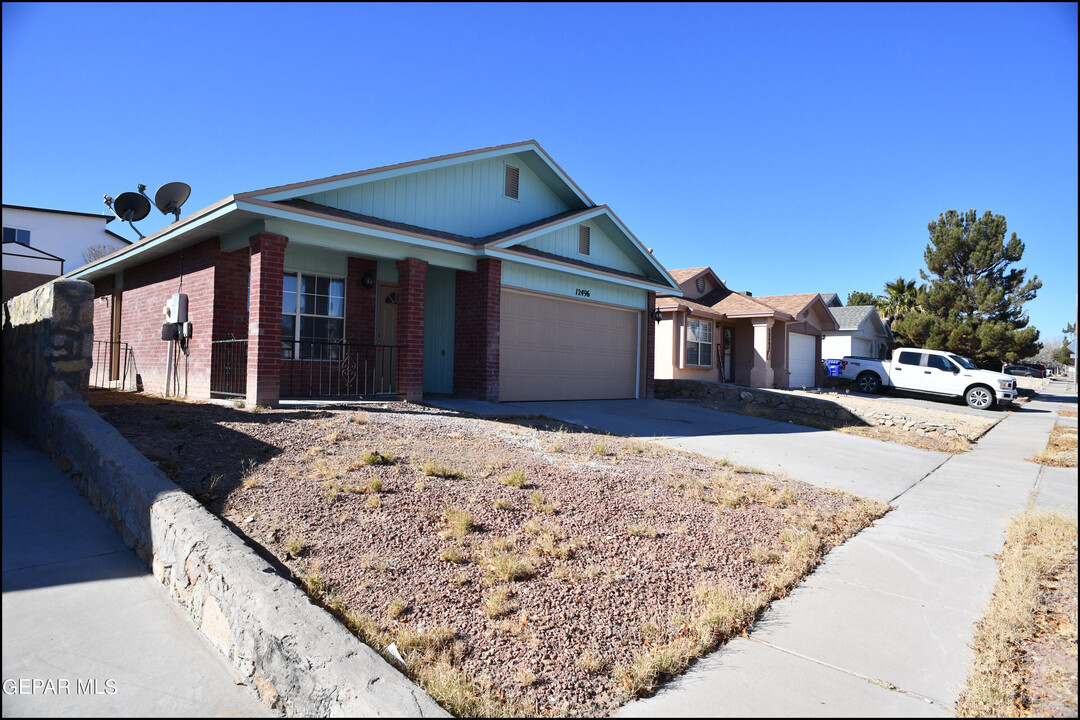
[931, 371]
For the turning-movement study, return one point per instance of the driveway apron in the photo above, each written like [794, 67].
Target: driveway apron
[883, 626]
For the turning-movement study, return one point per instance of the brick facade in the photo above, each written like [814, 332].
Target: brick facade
[476, 331]
[412, 281]
[360, 302]
[264, 318]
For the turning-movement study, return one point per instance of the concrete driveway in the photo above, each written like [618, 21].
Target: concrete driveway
[863, 466]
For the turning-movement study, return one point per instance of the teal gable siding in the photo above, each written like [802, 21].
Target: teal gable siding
[530, 277]
[439, 330]
[465, 199]
[602, 251]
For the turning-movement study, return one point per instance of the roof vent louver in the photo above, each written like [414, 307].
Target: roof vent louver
[583, 239]
[510, 185]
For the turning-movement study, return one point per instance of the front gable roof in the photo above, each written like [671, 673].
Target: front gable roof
[850, 317]
[530, 152]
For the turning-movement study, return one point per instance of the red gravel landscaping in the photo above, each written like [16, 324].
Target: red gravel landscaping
[516, 569]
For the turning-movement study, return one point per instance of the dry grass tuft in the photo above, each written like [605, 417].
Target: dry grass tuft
[515, 479]
[459, 522]
[642, 531]
[1038, 546]
[1060, 448]
[249, 476]
[499, 602]
[539, 502]
[434, 469]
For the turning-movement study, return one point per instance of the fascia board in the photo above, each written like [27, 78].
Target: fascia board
[544, 229]
[571, 269]
[210, 214]
[641, 247]
[308, 218]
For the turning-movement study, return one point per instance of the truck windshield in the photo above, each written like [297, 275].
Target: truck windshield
[962, 362]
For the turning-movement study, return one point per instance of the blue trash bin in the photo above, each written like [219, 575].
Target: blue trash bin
[834, 367]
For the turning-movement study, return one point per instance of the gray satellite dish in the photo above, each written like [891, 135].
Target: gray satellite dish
[171, 196]
[131, 206]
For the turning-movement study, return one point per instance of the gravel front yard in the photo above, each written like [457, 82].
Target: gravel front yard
[515, 569]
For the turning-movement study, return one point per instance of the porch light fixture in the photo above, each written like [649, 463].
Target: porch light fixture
[368, 281]
[656, 315]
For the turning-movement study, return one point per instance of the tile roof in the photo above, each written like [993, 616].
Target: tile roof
[850, 317]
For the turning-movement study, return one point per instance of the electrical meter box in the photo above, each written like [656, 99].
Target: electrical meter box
[176, 309]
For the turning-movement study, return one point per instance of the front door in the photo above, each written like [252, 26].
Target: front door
[729, 354]
[386, 338]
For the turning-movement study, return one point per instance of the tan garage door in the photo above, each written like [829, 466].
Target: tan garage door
[556, 349]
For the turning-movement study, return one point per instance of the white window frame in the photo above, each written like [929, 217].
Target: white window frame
[703, 340]
[297, 316]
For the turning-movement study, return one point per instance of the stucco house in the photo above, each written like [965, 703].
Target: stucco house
[715, 334]
[486, 274]
[41, 244]
[860, 331]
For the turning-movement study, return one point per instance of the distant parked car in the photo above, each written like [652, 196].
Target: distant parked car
[1043, 372]
[1023, 371]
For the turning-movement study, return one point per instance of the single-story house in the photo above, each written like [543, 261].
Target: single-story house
[486, 274]
[860, 331]
[715, 334]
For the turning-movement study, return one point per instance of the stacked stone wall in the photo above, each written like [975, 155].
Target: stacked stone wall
[48, 342]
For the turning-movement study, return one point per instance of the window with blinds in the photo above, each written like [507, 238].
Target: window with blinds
[510, 184]
[583, 239]
[699, 342]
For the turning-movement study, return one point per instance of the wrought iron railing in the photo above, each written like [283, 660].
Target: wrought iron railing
[228, 368]
[113, 366]
[337, 369]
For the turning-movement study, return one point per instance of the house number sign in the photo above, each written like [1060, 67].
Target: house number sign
[581, 292]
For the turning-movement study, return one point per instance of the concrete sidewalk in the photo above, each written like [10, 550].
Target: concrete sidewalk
[81, 610]
[883, 627]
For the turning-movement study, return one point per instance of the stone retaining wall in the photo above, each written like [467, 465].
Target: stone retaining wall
[816, 412]
[298, 658]
[48, 343]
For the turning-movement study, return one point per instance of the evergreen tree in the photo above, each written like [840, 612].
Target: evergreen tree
[858, 297]
[973, 302]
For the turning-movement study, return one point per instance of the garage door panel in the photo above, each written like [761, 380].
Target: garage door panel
[552, 349]
[802, 360]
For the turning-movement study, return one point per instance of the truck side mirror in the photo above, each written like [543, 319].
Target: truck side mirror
[956, 370]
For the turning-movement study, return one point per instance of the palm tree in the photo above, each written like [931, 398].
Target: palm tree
[901, 296]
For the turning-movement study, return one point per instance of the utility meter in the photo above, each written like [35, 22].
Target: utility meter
[176, 308]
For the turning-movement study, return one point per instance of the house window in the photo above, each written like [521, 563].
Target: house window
[699, 342]
[17, 235]
[510, 182]
[312, 316]
[584, 233]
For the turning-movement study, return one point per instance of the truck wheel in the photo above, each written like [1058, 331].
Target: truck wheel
[869, 383]
[979, 397]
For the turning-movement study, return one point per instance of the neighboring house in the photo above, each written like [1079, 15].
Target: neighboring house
[41, 244]
[861, 332]
[486, 274]
[715, 334]
[831, 300]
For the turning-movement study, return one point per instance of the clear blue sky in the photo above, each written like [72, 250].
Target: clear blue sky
[794, 148]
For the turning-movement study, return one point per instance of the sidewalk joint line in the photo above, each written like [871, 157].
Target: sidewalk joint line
[932, 471]
[68, 560]
[884, 684]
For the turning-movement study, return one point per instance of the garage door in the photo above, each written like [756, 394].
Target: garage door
[802, 360]
[861, 347]
[556, 349]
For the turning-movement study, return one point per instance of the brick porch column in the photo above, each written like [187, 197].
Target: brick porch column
[264, 319]
[360, 301]
[650, 346]
[478, 305]
[412, 279]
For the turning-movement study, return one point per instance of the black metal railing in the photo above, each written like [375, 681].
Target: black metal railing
[228, 368]
[113, 366]
[337, 369]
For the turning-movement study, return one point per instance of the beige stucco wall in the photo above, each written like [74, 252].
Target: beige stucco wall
[669, 348]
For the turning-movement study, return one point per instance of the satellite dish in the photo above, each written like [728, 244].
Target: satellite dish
[171, 196]
[131, 207]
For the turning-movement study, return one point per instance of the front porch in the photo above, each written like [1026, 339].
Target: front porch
[323, 323]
